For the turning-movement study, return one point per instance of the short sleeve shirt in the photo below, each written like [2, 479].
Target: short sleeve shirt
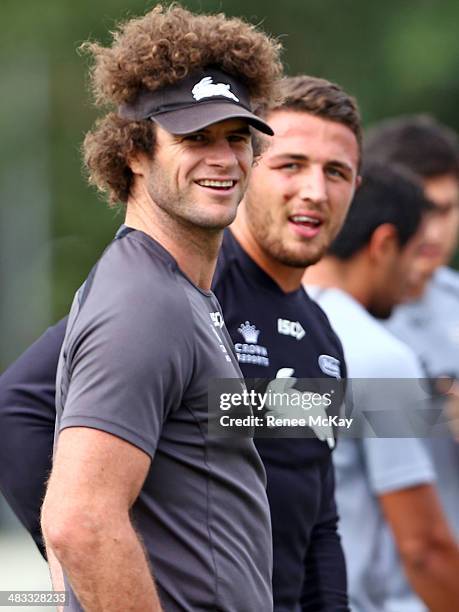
[141, 345]
[430, 326]
[369, 467]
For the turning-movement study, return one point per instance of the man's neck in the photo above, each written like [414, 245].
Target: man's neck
[194, 249]
[287, 277]
[331, 272]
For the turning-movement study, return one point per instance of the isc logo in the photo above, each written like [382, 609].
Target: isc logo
[290, 328]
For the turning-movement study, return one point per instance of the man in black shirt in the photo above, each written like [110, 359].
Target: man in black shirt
[298, 197]
[296, 202]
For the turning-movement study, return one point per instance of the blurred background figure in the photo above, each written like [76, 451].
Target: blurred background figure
[393, 527]
[431, 151]
[429, 321]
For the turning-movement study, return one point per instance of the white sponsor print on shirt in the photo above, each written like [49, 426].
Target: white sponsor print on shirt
[330, 365]
[218, 321]
[249, 351]
[315, 415]
[290, 328]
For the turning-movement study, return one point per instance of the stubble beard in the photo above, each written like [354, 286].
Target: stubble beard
[180, 207]
[273, 246]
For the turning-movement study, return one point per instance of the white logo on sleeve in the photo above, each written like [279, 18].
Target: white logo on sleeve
[217, 319]
[290, 328]
[330, 365]
[207, 89]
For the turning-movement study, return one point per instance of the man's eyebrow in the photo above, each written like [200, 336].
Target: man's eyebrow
[294, 156]
[305, 158]
[341, 164]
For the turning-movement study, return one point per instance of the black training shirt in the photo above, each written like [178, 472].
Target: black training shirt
[274, 331]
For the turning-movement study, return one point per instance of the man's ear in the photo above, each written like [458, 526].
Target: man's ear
[383, 241]
[138, 163]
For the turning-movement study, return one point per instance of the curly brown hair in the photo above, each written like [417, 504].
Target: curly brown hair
[156, 50]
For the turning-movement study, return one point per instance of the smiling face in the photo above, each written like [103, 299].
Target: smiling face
[301, 188]
[198, 179]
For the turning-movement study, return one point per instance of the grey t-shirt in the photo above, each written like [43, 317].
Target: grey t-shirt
[367, 468]
[430, 326]
[141, 344]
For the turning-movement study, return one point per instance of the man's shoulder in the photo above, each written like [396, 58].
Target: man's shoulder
[318, 316]
[315, 309]
[228, 268]
[440, 301]
[387, 356]
[134, 283]
[340, 308]
[369, 348]
[446, 279]
[136, 260]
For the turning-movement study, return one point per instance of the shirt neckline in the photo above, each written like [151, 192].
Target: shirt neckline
[254, 271]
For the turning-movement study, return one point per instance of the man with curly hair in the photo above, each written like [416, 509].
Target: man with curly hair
[138, 489]
[299, 194]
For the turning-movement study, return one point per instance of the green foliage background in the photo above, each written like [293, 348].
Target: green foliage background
[397, 56]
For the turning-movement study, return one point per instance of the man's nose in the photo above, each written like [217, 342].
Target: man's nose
[313, 185]
[433, 229]
[220, 153]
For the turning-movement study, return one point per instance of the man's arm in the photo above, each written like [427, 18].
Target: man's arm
[92, 535]
[427, 548]
[325, 584]
[27, 416]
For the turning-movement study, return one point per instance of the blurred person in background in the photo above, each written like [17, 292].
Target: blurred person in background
[431, 151]
[391, 519]
[429, 320]
[299, 195]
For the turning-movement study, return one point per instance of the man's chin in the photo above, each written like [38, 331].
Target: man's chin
[382, 314]
[299, 260]
[311, 256]
[417, 286]
[216, 219]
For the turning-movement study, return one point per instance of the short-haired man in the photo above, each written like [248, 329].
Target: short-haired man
[143, 510]
[297, 199]
[386, 494]
[430, 150]
[429, 322]
[301, 189]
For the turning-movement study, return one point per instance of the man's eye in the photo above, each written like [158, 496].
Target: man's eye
[335, 172]
[446, 210]
[239, 138]
[291, 167]
[195, 138]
